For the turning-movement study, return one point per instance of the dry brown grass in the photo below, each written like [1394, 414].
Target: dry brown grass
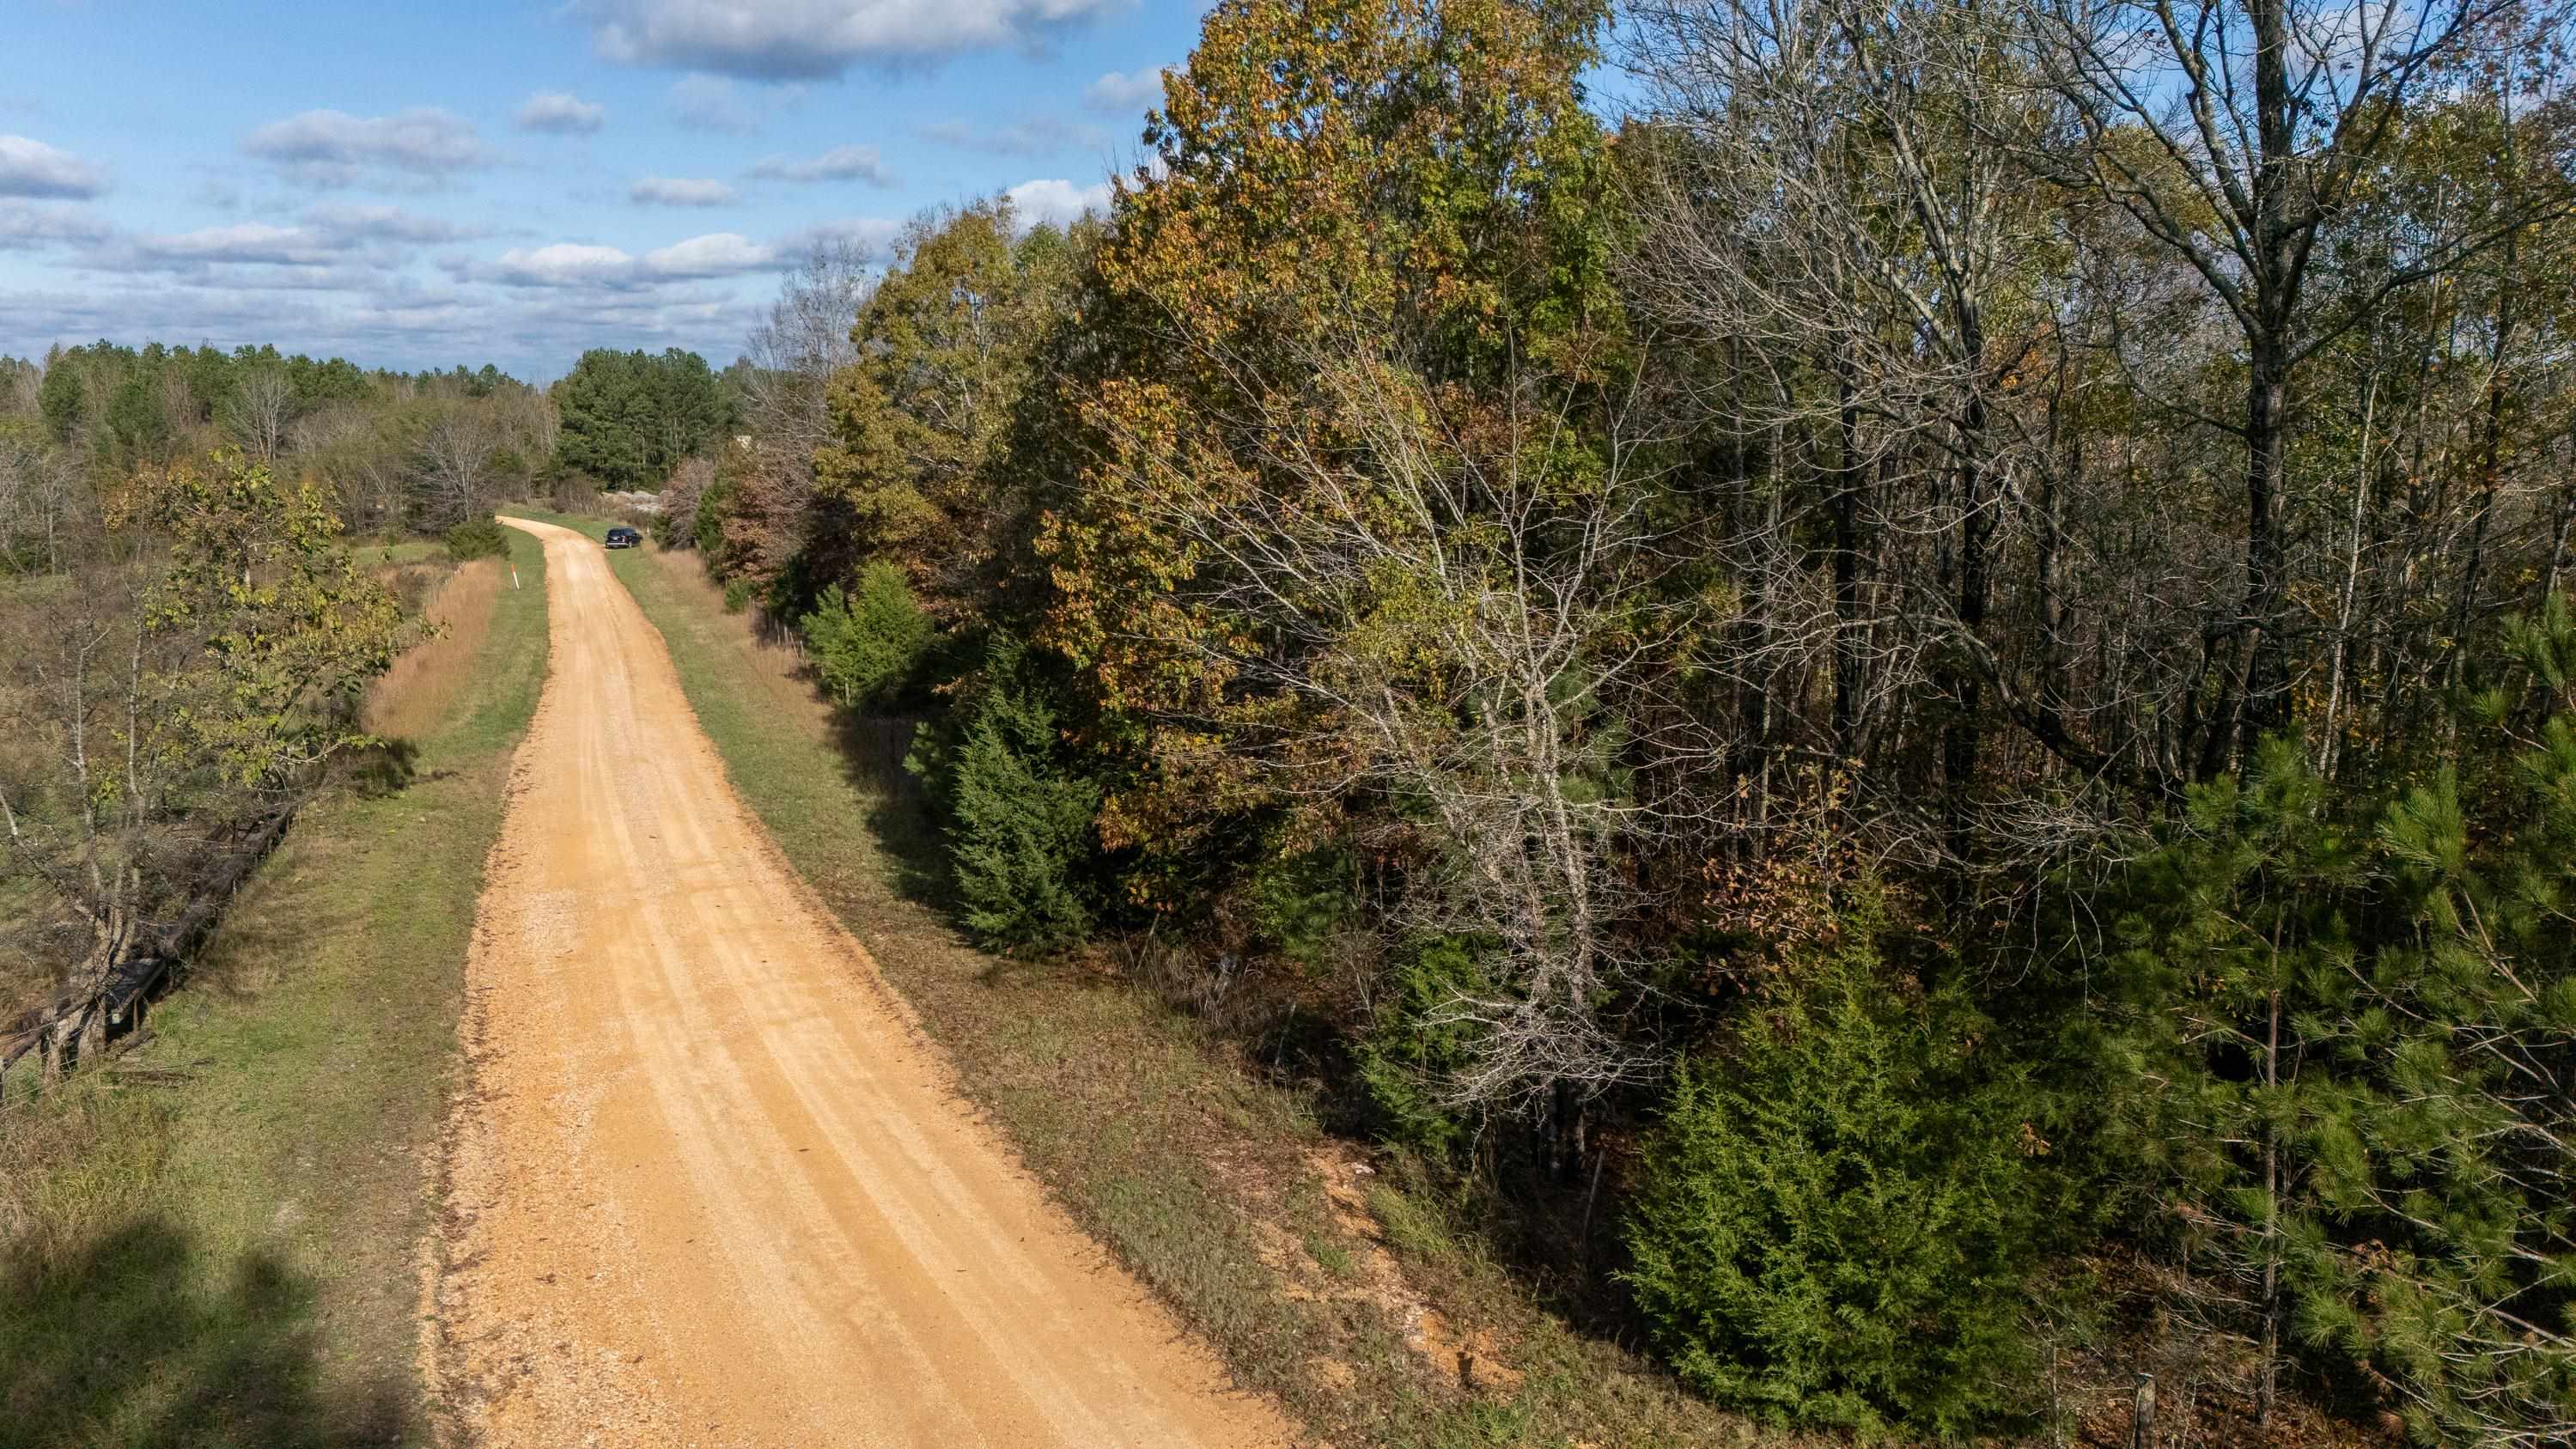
[781, 685]
[414, 695]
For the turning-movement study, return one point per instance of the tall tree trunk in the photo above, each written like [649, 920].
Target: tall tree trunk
[2271, 1223]
[2490, 468]
[2558, 538]
[2262, 700]
[2332, 732]
[2050, 544]
[1846, 522]
[1959, 738]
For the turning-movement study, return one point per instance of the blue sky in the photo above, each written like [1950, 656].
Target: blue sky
[487, 180]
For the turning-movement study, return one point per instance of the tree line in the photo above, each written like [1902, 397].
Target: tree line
[1941, 648]
[396, 452]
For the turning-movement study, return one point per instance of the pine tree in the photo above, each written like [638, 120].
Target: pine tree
[629, 417]
[1020, 834]
[2349, 1032]
[1841, 1209]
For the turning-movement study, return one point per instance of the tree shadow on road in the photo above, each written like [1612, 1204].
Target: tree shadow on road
[127, 1342]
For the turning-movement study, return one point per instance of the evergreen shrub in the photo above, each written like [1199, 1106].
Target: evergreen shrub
[1838, 1211]
[1020, 839]
[1411, 1051]
[867, 642]
[477, 538]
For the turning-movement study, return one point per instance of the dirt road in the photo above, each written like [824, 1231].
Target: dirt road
[707, 1185]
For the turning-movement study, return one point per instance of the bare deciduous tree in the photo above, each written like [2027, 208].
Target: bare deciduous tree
[19, 382]
[1835, 219]
[259, 410]
[1422, 605]
[786, 372]
[2237, 134]
[88, 707]
[353, 446]
[38, 488]
[453, 479]
[529, 415]
[804, 340]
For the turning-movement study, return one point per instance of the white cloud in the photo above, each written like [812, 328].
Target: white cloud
[579, 264]
[711, 101]
[680, 191]
[30, 168]
[720, 254]
[817, 39]
[561, 112]
[250, 241]
[333, 248]
[25, 226]
[564, 264]
[385, 223]
[285, 277]
[1123, 93]
[1056, 202]
[841, 163]
[869, 236]
[1031, 138]
[334, 148]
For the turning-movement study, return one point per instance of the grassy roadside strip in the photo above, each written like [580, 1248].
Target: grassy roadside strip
[219, 1248]
[1214, 1187]
[583, 523]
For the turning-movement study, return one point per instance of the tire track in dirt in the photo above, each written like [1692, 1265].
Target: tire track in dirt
[707, 1184]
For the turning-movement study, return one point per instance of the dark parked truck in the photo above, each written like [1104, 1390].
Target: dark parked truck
[624, 538]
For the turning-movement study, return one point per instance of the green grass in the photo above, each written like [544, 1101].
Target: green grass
[400, 551]
[596, 528]
[1148, 1128]
[227, 1255]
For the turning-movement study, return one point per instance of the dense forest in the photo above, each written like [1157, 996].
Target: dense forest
[395, 452]
[1930, 666]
